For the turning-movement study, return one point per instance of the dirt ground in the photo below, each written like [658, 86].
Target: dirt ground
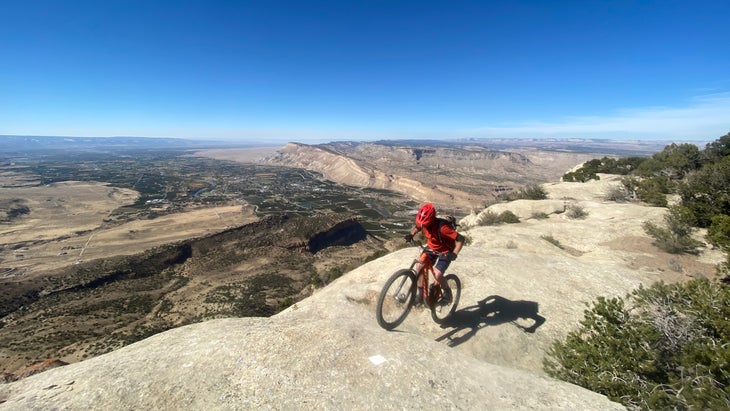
[674, 267]
[241, 155]
[66, 224]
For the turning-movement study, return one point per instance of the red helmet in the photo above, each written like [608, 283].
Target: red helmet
[426, 215]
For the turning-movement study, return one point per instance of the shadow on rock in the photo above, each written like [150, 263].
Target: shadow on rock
[493, 310]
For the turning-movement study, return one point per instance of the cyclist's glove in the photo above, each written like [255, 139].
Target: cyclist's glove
[451, 256]
[408, 237]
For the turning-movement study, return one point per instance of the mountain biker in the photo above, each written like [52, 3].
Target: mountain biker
[443, 240]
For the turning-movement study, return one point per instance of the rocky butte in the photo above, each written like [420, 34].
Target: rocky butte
[520, 293]
[458, 175]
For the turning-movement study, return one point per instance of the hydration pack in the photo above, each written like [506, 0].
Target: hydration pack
[445, 220]
[448, 220]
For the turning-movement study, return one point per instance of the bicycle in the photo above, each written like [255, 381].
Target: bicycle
[399, 292]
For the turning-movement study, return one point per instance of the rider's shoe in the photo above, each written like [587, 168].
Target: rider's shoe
[446, 297]
[419, 296]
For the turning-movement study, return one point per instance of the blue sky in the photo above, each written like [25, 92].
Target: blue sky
[315, 71]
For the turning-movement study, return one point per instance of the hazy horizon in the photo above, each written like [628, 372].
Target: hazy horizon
[700, 142]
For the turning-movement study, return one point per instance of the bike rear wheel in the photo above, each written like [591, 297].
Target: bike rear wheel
[396, 299]
[441, 310]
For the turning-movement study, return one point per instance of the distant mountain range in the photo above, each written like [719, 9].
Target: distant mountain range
[11, 143]
[26, 143]
[573, 145]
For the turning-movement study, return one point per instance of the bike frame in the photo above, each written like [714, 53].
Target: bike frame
[426, 271]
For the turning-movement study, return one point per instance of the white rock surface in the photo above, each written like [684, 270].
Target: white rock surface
[520, 293]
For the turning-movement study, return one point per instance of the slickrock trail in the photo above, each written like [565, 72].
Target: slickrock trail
[520, 293]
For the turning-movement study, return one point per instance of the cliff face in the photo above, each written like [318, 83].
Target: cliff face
[519, 294]
[342, 169]
[458, 177]
[344, 233]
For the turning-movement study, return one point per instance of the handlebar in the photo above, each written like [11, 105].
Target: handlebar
[424, 248]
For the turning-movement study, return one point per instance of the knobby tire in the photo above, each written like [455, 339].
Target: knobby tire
[396, 299]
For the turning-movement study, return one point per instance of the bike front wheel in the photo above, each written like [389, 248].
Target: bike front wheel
[441, 310]
[396, 299]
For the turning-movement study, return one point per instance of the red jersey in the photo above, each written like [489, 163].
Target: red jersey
[442, 243]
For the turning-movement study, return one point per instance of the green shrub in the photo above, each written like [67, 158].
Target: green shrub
[540, 215]
[707, 191]
[717, 150]
[653, 191]
[676, 236]
[580, 176]
[590, 169]
[489, 218]
[528, 192]
[674, 162]
[666, 349]
[508, 217]
[619, 194]
[723, 269]
[492, 218]
[533, 192]
[718, 234]
[576, 211]
[552, 240]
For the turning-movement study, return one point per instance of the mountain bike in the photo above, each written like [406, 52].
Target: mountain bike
[399, 292]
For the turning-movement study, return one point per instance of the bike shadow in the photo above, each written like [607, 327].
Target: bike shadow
[493, 310]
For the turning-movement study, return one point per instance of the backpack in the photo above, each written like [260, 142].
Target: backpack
[447, 220]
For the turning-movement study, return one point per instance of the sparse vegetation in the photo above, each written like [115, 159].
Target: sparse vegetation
[707, 192]
[490, 218]
[649, 179]
[590, 169]
[674, 162]
[508, 217]
[654, 190]
[528, 192]
[718, 234]
[619, 194]
[149, 289]
[552, 240]
[701, 178]
[664, 347]
[12, 209]
[576, 211]
[676, 236]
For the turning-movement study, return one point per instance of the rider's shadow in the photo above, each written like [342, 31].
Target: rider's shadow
[493, 310]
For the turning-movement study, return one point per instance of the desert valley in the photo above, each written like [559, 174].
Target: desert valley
[103, 249]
